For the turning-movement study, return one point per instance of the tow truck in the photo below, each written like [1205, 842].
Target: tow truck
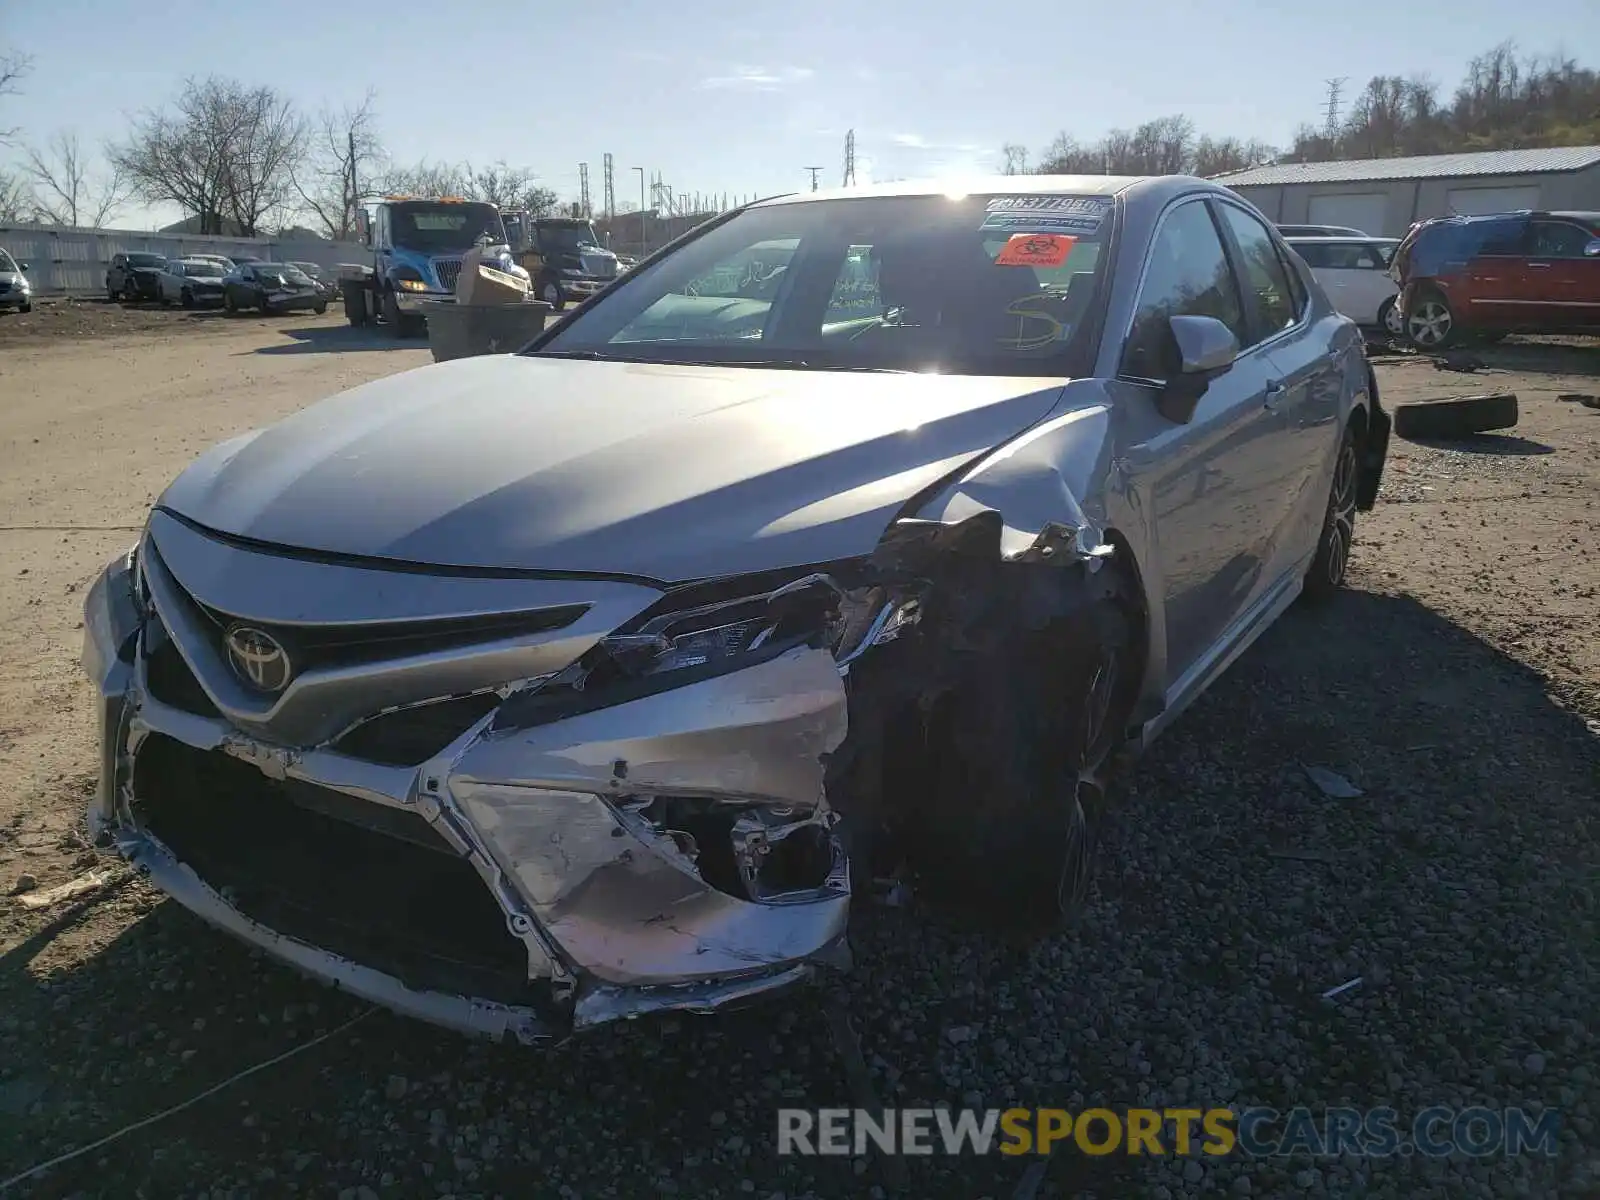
[563, 256]
[417, 246]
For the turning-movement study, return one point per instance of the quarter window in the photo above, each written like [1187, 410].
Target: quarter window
[1268, 296]
[1188, 275]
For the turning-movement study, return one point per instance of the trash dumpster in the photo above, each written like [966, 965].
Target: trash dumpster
[463, 330]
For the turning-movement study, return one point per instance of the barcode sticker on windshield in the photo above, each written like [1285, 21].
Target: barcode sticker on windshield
[1082, 206]
[1011, 222]
[1035, 250]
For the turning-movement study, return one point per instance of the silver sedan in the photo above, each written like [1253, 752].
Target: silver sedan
[862, 533]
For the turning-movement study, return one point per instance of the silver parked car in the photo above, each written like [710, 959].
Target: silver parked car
[525, 692]
[191, 282]
[15, 290]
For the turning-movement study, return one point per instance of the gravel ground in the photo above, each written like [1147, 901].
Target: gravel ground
[1457, 684]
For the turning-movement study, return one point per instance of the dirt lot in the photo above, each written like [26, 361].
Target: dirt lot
[1457, 683]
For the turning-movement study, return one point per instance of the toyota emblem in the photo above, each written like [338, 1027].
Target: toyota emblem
[258, 658]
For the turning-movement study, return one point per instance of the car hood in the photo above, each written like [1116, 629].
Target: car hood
[664, 472]
[12, 277]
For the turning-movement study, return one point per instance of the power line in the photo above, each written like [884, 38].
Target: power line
[814, 172]
[850, 158]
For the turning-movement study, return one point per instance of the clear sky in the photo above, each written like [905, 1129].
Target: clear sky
[741, 97]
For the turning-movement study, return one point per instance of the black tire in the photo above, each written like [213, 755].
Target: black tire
[229, 304]
[27, 307]
[550, 293]
[1431, 323]
[112, 295]
[261, 303]
[1457, 417]
[1391, 321]
[186, 298]
[355, 306]
[1332, 560]
[320, 307]
[392, 316]
[1021, 756]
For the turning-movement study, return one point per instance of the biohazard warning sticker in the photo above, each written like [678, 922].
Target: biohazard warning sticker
[1035, 250]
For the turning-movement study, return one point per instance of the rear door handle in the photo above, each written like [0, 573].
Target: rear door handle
[1273, 395]
[1538, 266]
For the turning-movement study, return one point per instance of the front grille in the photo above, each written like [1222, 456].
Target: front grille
[169, 678]
[599, 266]
[368, 883]
[311, 647]
[409, 737]
[448, 270]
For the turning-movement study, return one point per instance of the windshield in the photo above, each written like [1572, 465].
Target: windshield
[310, 269]
[202, 270]
[146, 260]
[7, 263]
[568, 238]
[444, 228]
[283, 271]
[975, 285]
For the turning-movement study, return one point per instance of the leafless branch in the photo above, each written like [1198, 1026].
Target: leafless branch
[345, 164]
[65, 192]
[14, 67]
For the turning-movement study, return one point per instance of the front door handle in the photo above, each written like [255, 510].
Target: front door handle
[1273, 395]
[1538, 266]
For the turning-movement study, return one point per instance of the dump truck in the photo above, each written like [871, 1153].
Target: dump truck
[417, 244]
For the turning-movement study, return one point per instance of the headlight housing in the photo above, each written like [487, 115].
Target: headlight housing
[710, 638]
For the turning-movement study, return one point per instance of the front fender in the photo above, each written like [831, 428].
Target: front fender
[1049, 481]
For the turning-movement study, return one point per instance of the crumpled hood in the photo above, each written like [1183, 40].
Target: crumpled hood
[665, 472]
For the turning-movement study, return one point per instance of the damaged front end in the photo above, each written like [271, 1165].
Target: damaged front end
[510, 806]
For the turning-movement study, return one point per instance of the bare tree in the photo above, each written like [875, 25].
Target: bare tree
[13, 67]
[344, 168]
[16, 199]
[225, 154]
[510, 187]
[64, 189]
[1015, 159]
[424, 179]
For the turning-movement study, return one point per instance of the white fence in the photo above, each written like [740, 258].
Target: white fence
[63, 259]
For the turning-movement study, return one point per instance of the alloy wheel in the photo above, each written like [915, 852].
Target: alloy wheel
[1096, 742]
[1429, 323]
[1342, 513]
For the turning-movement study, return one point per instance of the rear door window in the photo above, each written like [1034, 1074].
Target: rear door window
[1269, 298]
[1558, 239]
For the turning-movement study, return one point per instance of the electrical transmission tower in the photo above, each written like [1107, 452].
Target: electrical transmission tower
[610, 190]
[850, 159]
[1335, 90]
[583, 189]
[814, 172]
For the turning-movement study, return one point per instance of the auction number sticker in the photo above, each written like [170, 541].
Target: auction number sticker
[1035, 250]
[1046, 214]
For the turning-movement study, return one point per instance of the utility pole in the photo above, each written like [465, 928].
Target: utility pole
[850, 159]
[814, 172]
[583, 190]
[1335, 90]
[643, 240]
[355, 195]
[610, 190]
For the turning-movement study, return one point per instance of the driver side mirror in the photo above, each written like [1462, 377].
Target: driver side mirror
[1592, 250]
[1206, 348]
[24, 266]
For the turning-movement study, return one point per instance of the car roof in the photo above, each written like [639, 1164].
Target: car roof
[1157, 189]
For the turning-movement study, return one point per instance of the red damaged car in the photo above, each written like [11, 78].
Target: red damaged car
[1465, 278]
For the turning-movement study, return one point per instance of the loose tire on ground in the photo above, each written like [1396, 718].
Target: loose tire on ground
[355, 303]
[1459, 416]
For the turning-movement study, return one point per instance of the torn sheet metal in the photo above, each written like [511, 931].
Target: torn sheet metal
[1034, 484]
[622, 905]
[757, 734]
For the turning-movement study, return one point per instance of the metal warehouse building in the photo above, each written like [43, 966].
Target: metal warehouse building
[1383, 196]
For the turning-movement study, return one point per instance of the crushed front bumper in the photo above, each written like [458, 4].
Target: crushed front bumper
[551, 820]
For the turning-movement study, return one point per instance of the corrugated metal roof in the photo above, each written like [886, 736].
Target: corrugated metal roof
[1421, 166]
